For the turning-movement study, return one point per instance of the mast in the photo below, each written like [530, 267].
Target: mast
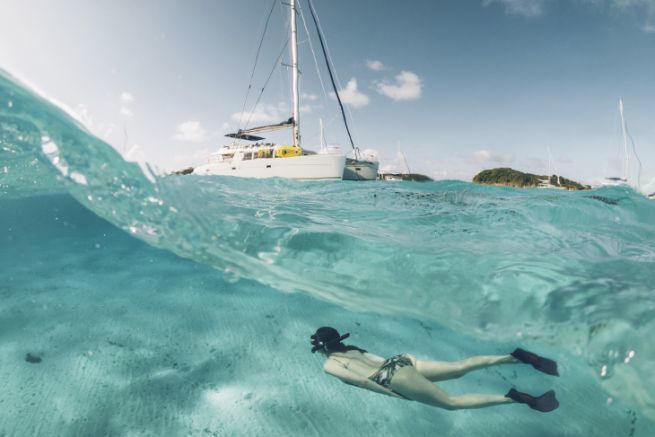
[294, 75]
[626, 162]
[320, 122]
[548, 148]
[403, 156]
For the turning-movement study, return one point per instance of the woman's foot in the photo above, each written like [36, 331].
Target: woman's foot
[540, 363]
[544, 403]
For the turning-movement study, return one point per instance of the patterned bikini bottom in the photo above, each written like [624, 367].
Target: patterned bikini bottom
[384, 374]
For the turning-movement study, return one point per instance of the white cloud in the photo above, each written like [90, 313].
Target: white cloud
[488, 156]
[351, 96]
[535, 8]
[397, 165]
[407, 87]
[644, 9]
[263, 114]
[649, 187]
[82, 112]
[126, 97]
[190, 159]
[310, 97]
[391, 168]
[190, 131]
[135, 154]
[138, 155]
[626, 4]
[374, 64]
[106, 131]
[527, 8]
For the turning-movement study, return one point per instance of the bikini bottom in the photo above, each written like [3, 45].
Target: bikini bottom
[384, 374]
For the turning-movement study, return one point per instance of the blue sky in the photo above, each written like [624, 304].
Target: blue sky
[457, 85]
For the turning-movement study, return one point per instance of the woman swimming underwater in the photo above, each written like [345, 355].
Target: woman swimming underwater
[404, 376]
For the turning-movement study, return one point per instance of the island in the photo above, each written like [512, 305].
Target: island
[513, 178]
[184, 171]
[413, 177]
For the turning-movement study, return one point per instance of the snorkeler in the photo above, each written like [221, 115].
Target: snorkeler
[404, 376]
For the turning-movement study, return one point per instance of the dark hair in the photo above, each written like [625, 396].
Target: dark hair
[329, 339]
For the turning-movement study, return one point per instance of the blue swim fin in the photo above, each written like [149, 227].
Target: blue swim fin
[540, 363]
[544, 403]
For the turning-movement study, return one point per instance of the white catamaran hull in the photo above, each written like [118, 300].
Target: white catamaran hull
[614, 182]
[297, 167]
[360, 170]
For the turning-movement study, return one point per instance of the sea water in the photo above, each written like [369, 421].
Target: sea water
[139, 304]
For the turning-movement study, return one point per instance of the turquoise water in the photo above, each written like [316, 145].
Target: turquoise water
[183, 305]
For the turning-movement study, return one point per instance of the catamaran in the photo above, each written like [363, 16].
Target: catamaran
[258, 159]
[249, 156]
[363, 166]
[615, 180]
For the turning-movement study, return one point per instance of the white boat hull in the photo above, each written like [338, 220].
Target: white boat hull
[297, 167]
[360, 170]
[614, 182]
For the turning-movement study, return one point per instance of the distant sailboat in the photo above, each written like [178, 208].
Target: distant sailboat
[623, 180]
[546, 183]
[388, 176]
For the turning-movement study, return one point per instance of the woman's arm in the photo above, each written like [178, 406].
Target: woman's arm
[345, 375]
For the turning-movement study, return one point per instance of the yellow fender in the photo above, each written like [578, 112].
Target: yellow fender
[287, 151]
[264, 153]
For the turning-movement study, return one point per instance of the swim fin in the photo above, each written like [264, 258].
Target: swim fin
[540, 363]
[544, 403]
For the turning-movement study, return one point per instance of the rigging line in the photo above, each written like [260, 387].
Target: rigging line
[334, 86]
[317, 133]
[336, 76]
[311, 47]
[277, 61]
[634, 150]
[259, 48]
[617, 135]
[406, 164]
[125, 138]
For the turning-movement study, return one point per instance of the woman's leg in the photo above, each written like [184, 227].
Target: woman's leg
[442, 370]
[412, 385]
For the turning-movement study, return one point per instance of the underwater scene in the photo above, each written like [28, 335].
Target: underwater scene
[135, 303]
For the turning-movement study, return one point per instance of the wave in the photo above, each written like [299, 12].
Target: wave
[573, 269]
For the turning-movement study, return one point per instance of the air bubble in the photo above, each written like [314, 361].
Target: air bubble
[232, 275]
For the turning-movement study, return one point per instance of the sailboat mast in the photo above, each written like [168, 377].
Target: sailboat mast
[548, 148]
[320, 122]
[294, 75]
[625, 142]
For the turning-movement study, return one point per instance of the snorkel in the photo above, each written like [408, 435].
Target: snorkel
[325, 338]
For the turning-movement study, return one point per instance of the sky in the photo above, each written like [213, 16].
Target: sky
[457, 85]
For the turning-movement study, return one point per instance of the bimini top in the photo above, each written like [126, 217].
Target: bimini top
[245, 134]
